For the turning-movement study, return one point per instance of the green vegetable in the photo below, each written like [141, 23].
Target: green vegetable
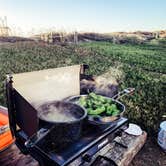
[97, 111]
[115, 112]
[111, 109]
[82, 101]
[97, 105]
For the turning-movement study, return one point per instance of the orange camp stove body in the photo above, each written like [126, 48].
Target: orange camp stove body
[6, 138]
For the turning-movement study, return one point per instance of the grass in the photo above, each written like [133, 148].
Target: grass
[144, 67]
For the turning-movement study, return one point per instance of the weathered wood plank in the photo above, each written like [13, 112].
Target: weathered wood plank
[123, 156]
[13, 157]
[134, 147]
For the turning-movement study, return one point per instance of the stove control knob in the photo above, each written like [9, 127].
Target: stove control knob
[86, 157]
[118, 133]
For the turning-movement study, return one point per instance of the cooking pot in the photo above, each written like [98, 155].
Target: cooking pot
[62, 123]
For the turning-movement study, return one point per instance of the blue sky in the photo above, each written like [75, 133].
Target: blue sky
[85, 15]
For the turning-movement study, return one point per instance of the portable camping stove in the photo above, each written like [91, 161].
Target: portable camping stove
[24, 123]
[84, 151]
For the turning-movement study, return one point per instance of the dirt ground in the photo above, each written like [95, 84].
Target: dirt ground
[150, 155]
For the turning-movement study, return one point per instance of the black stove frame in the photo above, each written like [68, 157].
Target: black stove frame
[78, 155]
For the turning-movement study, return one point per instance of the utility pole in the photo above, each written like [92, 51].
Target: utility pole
[4, 29]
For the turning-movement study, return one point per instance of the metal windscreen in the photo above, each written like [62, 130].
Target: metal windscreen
[42, 86]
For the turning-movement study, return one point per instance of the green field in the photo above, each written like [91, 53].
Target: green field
[143, 67]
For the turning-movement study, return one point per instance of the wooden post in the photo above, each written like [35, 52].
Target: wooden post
[50, 38]
[75, 37]
[157, 35]
[62, 37]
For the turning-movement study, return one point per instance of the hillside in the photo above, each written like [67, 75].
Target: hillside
[116, 37]
[13, 39]
[143, 34]
[66, 38]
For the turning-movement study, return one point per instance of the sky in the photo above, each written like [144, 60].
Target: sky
[27, 16]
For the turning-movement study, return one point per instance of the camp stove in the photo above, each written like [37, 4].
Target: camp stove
[23, 119]
[82, 152]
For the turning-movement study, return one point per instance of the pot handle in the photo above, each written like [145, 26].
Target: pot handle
[124, 92]
[35, 138]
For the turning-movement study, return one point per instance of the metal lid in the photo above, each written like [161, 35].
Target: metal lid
[163, 125]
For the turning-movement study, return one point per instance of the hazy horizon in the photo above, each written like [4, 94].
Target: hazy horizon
[26, 17]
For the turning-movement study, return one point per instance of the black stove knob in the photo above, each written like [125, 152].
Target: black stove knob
[86, 157]
[118, 133]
